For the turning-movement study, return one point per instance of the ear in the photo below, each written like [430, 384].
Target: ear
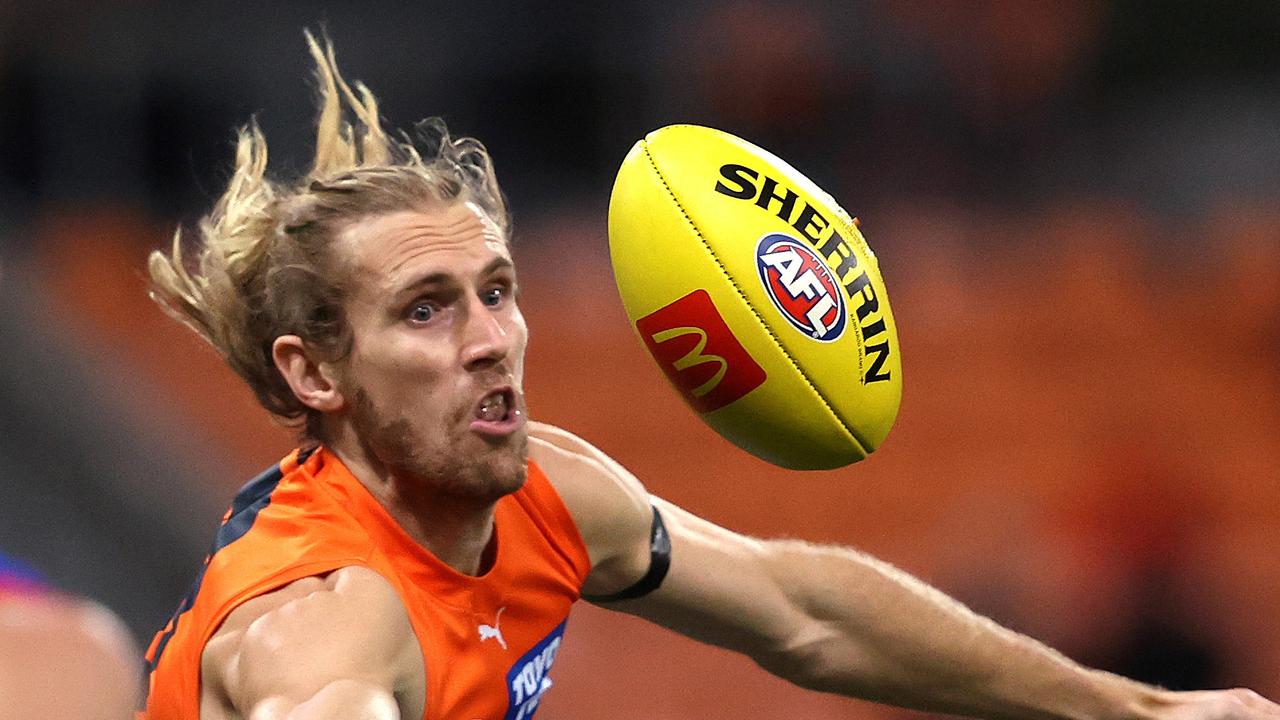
[313, 381]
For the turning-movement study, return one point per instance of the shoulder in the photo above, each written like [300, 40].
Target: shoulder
[608, 504]
[570, 460]
[590, 482]
[347, 629]
[548, 442]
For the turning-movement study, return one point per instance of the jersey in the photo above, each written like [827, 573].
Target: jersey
[487, 642]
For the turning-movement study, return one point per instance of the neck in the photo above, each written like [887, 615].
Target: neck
[456, 530]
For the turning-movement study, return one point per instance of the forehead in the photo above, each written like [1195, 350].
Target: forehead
[395, 248]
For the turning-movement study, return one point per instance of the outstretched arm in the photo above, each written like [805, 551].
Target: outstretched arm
[837, 620]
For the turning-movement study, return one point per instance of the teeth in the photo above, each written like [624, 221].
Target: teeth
[493, 408]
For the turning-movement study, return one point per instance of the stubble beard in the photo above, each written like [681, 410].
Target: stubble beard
[468, 470]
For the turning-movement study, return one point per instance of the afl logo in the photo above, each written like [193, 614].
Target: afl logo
[801, 286]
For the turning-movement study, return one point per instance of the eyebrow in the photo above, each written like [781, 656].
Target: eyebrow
[443, 277]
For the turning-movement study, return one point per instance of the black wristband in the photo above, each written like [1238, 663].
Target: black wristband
[659, 563]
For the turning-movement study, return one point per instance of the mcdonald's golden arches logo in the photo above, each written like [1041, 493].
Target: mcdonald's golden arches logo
[698, 352]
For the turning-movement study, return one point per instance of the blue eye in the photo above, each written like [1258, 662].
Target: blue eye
[421, 313]
[492, 297]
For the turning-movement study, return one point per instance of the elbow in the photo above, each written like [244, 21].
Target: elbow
[813, 657]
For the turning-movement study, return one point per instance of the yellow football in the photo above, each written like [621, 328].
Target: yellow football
[757, 296]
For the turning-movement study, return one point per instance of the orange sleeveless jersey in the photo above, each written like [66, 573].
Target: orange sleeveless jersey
[487, 642]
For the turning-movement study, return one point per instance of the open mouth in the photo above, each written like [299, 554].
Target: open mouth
[498, 414]
[496, 407]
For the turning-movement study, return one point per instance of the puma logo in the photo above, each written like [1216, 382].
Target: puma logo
[494, 631]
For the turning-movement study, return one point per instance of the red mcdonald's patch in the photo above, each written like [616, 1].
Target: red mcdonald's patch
[698, 352]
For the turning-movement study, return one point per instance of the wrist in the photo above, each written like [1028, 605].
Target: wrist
[1132, 700]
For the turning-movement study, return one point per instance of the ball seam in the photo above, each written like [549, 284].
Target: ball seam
[732, 283]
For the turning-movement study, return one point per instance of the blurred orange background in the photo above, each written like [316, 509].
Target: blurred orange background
[1079, 230]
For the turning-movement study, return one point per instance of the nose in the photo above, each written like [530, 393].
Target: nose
[486, 341]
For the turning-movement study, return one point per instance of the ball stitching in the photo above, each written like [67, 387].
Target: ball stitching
[772, 336]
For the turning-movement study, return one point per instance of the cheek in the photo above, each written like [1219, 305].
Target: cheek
[520, 341]
[521, 331]
[390, 368]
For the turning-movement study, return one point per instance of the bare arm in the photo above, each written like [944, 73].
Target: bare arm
[840, 621]
[837, 620]
[333, 647]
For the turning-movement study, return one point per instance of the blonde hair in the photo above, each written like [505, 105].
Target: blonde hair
[262, 264]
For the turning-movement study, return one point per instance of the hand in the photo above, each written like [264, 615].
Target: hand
[1236, 704]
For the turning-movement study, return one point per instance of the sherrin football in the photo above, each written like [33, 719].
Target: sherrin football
[757, 296]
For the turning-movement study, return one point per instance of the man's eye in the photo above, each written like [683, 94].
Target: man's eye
[421, 313]
[492, 297]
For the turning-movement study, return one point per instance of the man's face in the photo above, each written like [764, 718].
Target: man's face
[433, 381]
